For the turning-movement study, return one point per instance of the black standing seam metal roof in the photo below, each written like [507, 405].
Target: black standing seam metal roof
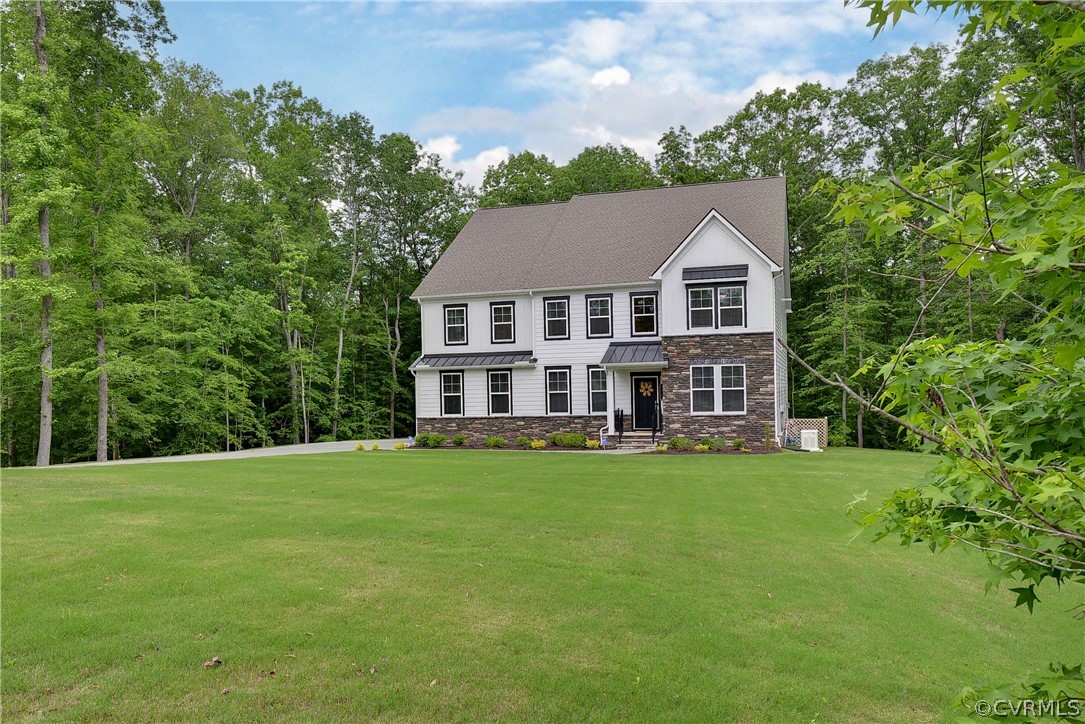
[473, 360]
[733, 271]
[620, 353]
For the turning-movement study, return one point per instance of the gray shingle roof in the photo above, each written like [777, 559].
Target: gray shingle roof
[472, 360]
[622, 353]
[599, 239]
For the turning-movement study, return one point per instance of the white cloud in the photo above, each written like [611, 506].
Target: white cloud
[474, 169]
[614, 75]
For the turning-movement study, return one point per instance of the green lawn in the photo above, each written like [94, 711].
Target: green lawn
[482, 584]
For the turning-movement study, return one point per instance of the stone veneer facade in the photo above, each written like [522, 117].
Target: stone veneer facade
[511, 428]
[755, 350]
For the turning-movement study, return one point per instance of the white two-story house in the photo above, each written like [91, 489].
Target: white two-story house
[658, 309]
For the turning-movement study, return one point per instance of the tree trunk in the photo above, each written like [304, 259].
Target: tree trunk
[339, 351]
[45, 426]
[103, 380]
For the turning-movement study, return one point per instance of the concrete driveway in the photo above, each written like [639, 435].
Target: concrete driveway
[261, 452]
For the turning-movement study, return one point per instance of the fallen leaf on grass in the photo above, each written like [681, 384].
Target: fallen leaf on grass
[215, 661]
[225, 691]
[310, 633]
[137, 657]
[291, 656]
[433, 683]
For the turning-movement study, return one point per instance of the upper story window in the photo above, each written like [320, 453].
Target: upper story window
[717, 389]
[732, 306]
[455, 324]
[451, 393]
[643, 310]
[502, 322]
[556, 317]
[713, 307]
[600, 319]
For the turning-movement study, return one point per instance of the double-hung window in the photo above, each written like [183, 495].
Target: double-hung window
[718, 389]
[599, 316]
[500, 382]
[451, 394]
[597, 391]
[502, 322]
[701, 302]
[558, 400]
[556, 317]
[732, 311]
[455, 324]
[643, 311]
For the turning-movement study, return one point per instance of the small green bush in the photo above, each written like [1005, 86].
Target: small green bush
[375, 446]
[495, 441]
[568, 439]
[538, 444]
[661, 448]
[429, 439]
[523, 441]
[739, 444]
[399, 446]
[838, 439]
[592, 444]
[460, 440]
[361, 446]
[680, 443]
[701, 448]
[714, 443]
[768, 440]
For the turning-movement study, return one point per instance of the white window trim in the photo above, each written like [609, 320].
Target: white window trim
[719, 308]
[609, 316]
[547, 319]
[605, 390]
[568, 390]
[710, 308]
[717, 394]
[463, 397]
[490, 393]
[633, 315]
[448, 308]
[511, 323]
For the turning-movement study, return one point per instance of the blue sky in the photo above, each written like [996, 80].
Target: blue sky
[475, 81]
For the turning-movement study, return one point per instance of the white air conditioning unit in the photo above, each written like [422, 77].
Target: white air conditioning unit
[808, 441]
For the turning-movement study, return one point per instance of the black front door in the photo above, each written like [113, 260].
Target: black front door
[645, 394]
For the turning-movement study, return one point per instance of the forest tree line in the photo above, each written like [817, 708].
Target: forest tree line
[189, 268]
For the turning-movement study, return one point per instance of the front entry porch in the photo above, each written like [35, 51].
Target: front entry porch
[634, 390]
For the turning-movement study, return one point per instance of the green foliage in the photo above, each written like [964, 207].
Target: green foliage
[360, 446]
[568, 439]
[593, 444]
[739, 444]
[537, 444]
[837, 439]
[523, 441]
[495, 441]
[767, 439]
[399, 446]
[680, 444]
[459, 440]
[714, 443]
[661, 448]
[375, 446]
[701, 448]
[429, 439]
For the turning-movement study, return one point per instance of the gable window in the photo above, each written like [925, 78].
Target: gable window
[556, 311]
[700, 307]
[557, 391]
[731, 306]
[500, 382]
[451, 393]
[502, 322]
[644, 314]
[597, 390]
[455, 324]
[717, 389]
[599, 316]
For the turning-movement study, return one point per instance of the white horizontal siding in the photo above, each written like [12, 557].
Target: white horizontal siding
[478, 326]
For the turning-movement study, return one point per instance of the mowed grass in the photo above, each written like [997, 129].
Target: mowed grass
[434, 585]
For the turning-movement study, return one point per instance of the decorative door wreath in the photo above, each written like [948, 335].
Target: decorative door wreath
[646, 389]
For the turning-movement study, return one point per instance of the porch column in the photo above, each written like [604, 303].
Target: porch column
[610, 403]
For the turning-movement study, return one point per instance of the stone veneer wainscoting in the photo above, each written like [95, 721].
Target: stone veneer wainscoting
[510, 428]
[756, 350]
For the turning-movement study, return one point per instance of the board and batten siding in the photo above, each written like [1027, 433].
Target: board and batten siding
[716, 245]
[781, 378]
